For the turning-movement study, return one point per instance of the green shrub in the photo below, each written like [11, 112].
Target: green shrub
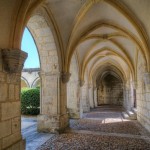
[30, 101]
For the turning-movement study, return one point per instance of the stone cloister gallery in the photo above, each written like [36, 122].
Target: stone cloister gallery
[93, 53]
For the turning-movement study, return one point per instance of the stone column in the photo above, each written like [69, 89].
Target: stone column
[12, 61]
[127, 96]
[85, 97]
[53, 116]
[73, 99]
[134, 86]
[91, 100]
[95, 96]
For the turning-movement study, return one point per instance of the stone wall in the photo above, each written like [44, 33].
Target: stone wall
[110, 91]
[143, 93]
[10, 115]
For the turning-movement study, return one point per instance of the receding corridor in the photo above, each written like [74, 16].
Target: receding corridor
[101, 129]
[90, 86]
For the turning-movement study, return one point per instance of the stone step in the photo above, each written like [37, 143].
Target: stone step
[125, 115]
[134, 110]
[132, 115]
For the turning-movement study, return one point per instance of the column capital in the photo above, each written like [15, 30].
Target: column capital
[134, 84]
[90, 85]
[95, 87]
[13, 60]
[65, 76]
[81, 82]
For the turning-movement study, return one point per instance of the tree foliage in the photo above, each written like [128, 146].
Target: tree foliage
[30, 101]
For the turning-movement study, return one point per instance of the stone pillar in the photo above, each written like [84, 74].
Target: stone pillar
[127, 96]
[53, 115]
[134, 86]
[12, 61]
[95, 96]
[84, 97]
[73, 99]
[91, 100]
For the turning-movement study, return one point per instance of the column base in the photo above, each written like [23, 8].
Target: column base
[73, 114]
[86, 109]
[52, 123]
[20, 145]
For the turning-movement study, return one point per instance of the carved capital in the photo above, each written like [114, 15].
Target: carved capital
[90, 86]
[65, 76]
[13, 60]
[81, 82]
[134, 84]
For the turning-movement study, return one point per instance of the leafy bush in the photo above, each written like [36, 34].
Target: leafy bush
[30, 101]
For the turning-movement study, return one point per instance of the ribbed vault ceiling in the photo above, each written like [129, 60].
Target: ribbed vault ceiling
[101, 33]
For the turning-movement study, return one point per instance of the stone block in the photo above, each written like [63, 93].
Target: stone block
[16, 146]
[11, 92]
[14, 78]
[9, 140]
[5, 128]
[17, 92]
[19, 145]
[53, 123]
[16, 124]
[10, 110]
[0, 144]
[147, 97]
[3, 92]
[2, 77]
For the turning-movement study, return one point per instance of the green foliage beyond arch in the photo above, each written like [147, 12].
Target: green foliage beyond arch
[30, 101]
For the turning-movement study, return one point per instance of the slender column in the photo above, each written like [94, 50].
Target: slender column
[12, 61]
[127, 96]
[53, 117]
[84, 100]
[134, 86]
[95, 96]
[91, 100]
[73, 99]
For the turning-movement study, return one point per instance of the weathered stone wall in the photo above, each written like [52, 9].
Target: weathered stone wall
[73, 91]
[143, 93]
[110, 91]
[10, 116]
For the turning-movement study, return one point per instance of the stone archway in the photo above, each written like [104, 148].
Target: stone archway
[36, 82]
[53, 82]
[24, 83]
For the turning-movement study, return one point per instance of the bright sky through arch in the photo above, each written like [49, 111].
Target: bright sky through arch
[28, 45]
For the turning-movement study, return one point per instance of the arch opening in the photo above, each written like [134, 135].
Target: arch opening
[110, 90]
